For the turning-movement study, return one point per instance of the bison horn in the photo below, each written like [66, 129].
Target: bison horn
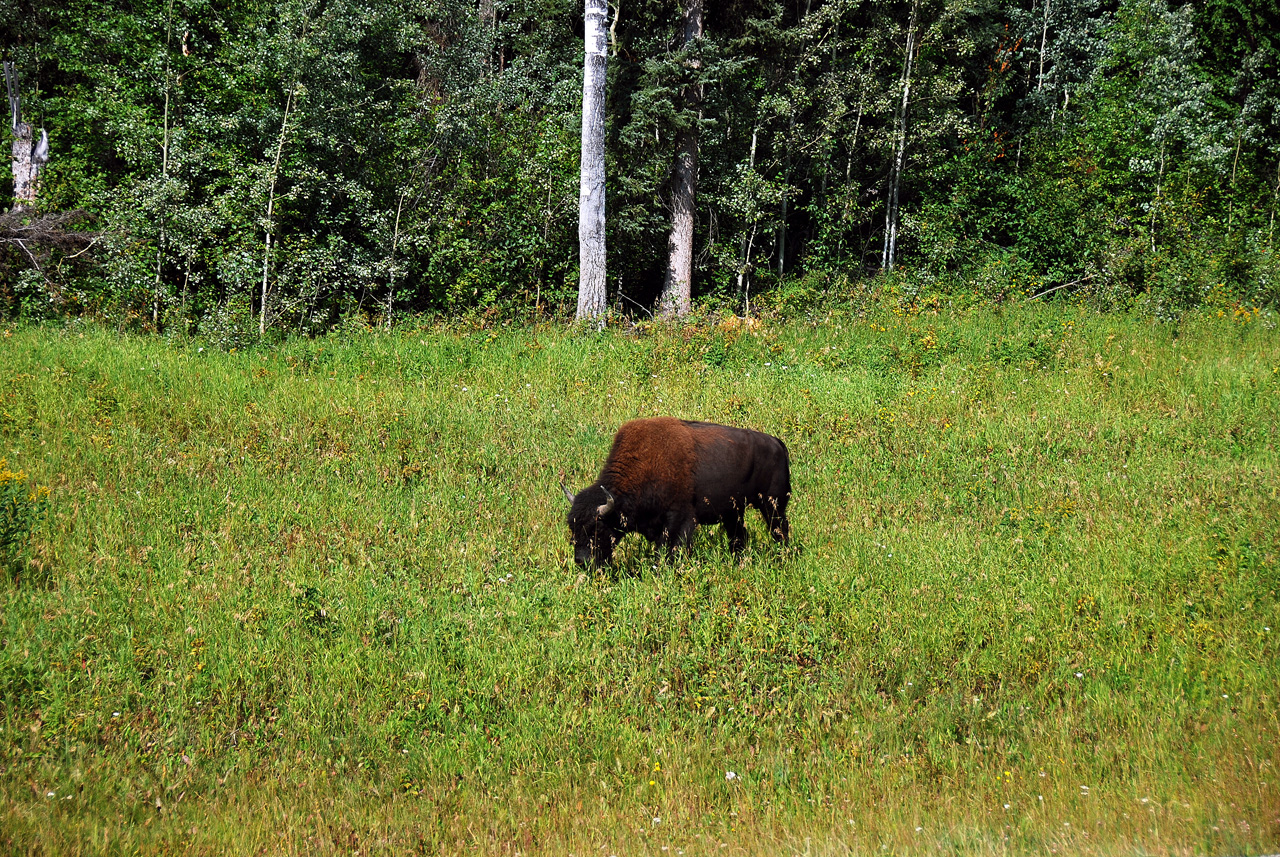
[567, 495]
[607, 506]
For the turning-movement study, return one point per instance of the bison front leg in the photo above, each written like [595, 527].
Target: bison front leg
[678, 532]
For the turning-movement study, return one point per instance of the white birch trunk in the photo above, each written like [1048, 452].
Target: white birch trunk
[592, 291]
[1155, 200]
[1275, 203]
[164, 182]
[391, 260]
[744, 270]
[784, 206]
[888, 256]
[271, 204]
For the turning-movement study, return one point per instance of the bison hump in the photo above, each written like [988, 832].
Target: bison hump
[650, 456]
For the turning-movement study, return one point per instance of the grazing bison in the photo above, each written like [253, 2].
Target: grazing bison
[665, 476]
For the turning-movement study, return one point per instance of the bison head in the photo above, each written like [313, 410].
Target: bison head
[594, 524]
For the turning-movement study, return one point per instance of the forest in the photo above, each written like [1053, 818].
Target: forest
[233, 168]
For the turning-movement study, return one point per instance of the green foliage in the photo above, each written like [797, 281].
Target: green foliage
[22, 508]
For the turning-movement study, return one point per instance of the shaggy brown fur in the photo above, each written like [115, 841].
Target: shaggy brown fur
[654, 455]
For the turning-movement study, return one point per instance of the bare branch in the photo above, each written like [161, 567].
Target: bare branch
[1063, 286]
[39, 236]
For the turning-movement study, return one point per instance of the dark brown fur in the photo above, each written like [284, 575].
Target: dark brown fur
[665, 476]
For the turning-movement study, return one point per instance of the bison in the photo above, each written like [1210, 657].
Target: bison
[665, 476]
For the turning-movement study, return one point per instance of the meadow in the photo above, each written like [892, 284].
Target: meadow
[318, 597]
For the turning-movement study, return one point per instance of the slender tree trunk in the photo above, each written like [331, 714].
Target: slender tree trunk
[164, 181]
[1044, 39]
[490, 21]
[785, 207]
[889, 254]
[1155, 201]
[1235, 162]
[744, 272]
[862, 103]
[164, 178]
[1275, 202]
[592, 290]
[271, 203]
[849, 199]
[186, 285]
[391, 259]
[677, 286]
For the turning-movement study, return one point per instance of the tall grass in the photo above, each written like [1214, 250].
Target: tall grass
[319, 598]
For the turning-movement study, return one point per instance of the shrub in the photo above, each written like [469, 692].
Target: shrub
[21, 510]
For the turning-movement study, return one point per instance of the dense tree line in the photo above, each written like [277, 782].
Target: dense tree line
[246, 164]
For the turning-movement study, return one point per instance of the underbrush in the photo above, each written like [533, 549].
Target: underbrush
[319, 597]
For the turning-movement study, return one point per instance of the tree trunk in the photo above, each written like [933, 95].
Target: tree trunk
[592, 291]
[163, 239]
[271, 204]
[1044, 38]
[677, 286]
[889, 254]
[1275, 202]
[164, 180]
[744, 271]
[29, 155]
[1155, 201]
[391, 259]
[489, 18]
[1235, 162]
[783, 209]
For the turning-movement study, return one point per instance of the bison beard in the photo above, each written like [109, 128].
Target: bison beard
[665, 476]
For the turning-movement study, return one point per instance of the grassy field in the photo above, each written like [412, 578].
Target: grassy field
[319, 598]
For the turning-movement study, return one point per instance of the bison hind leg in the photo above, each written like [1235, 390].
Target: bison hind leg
[774, 512]
[780, 529]
[736, 530]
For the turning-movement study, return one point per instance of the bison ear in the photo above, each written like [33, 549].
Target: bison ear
[607, 506]
[567, 495]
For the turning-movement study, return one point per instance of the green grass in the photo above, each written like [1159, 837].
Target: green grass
[319, 598]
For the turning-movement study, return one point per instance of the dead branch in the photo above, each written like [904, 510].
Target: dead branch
[53, 231]
[38, 237]
[1083, 279]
